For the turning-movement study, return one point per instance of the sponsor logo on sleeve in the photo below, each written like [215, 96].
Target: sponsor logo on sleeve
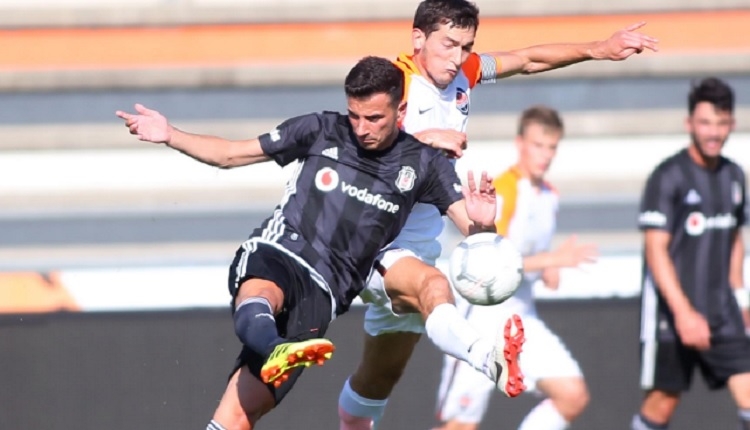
[652, 219]
[275, 135]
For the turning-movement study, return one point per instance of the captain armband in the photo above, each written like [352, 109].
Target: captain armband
[742, 295]
[489, 68]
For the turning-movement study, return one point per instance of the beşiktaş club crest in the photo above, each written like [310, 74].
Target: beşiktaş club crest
[406, 178]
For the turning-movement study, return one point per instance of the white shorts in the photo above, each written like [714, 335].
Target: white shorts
[464, 392]
[380, 317]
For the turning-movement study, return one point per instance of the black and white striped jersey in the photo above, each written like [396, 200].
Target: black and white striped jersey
[702, 210]
[343, 204]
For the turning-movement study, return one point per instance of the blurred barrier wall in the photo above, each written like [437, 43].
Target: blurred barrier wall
[42, 13]
[136, 289]
[111, 175]
[167, 370]
[177, 288]
[309, 53]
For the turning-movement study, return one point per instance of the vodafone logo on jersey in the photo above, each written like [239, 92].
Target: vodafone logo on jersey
[696, 223]
[326, 179]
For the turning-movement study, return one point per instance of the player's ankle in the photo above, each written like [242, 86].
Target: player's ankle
[348, 421]
[214, 425]
[642, 423]
[481, 356]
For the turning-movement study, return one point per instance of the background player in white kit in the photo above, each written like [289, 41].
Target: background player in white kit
[527, 210]
[412, 296]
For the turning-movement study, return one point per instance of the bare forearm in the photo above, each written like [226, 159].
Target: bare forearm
[540, 261]
[540, 58]
[547, 57]
[216, 151]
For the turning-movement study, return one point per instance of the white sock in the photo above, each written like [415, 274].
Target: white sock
[544, 416]
[454, 336]
[214, 425]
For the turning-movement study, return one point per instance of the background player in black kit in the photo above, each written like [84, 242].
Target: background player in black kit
[357, 180]
[693, 299]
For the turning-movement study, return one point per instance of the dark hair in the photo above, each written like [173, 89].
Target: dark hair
[375, 75]
[542, 115]
[431, 14]
[714, 91]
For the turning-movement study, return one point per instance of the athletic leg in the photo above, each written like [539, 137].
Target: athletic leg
[566, 400]
[728, 362]
[739, 386]
[656, 410]
[244, 402]
[551, 371]
[413, 286]
[463, 396]
[363, 399]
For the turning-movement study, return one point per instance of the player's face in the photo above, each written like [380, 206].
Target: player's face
[375, 120]
[536, 149]
[709, 129]
[440, 55]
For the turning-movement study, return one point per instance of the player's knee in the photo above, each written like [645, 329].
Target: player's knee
[572, 399]
[434, 290]
[261, 288]
[739, 386]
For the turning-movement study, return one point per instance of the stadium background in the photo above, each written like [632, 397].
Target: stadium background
[112, 252]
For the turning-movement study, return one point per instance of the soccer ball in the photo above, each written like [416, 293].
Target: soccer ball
[486, 269]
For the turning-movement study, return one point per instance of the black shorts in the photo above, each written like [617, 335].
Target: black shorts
[669, 366]
[307, 307]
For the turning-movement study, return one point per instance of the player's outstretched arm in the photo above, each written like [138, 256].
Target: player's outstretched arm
[476, 212]
[569, 254]
[150, 126]
[540, 58]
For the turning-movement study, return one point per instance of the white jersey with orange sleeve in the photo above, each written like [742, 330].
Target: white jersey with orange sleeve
[527, 216]
[430, 107]
[427, 107]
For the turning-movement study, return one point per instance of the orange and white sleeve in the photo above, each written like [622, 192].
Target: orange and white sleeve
[506, 188]
[481, 68]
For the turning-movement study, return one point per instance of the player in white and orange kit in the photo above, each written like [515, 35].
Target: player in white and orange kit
[408, 295]
[527, 211]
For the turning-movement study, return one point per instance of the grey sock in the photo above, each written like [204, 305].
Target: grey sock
[641, 423]
[744, 417]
